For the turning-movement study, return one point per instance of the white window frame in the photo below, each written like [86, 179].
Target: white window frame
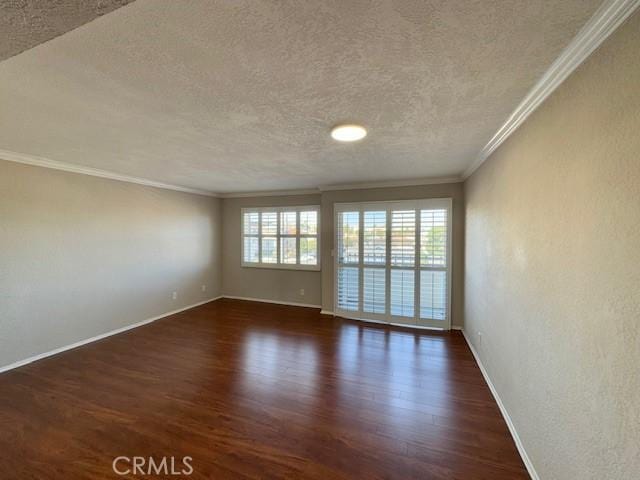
[388, 206]
[279, 236]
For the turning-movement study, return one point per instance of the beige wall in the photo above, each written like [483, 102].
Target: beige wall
[81, 256]
[264, 283]
[453, 190]
[553, 270]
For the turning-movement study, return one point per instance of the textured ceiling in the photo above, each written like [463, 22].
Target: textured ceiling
[238, 95]
[27, 23]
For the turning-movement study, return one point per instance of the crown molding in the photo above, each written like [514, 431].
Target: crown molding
[94, 172]
[392, 183]
[351, 186]
[270, 193]
[602, 24]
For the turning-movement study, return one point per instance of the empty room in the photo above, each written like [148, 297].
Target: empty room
[357, 239]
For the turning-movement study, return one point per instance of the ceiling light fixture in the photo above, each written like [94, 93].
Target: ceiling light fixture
[348, 133]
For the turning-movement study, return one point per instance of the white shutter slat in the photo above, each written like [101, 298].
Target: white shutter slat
[374, 290]
[251, 223]
[269, 223]
[402, 293]
[348, 284]
[403, 254]
[433, 256]
[433, 294]
[375, 237]
[433, 238]
[348, 238]
[403, 238]
[251, 253]
[348, 288]
[309, 222]
[308, 251]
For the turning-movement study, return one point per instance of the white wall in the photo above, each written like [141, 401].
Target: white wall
[552, 273]
[81, 256]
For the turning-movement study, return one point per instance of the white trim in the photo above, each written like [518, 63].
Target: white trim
[327, 312]
[40, 356]
[270, 193]
[277, 302]
[94, 172]
[282, 266]
[503, 410]
[392, 183]
[603, 22]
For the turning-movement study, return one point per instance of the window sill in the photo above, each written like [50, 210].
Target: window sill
[302, 268]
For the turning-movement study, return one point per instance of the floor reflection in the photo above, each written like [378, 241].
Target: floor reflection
[269, 361]
[396, 372]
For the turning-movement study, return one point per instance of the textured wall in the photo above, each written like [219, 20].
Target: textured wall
[453, 190]
[264, 283]
[80, 256]
[552, 270]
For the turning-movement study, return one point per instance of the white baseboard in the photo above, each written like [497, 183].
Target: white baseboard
[326, 312]
[277, 302]
[503, 410]
[40, 356]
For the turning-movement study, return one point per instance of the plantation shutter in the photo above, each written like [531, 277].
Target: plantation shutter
[392, 261]
[281, 237]
[348, 275]
[374, 247]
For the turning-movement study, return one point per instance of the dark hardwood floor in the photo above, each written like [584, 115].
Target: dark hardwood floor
[253, 390]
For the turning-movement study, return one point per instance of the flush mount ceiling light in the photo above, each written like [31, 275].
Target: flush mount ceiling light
[348, 133]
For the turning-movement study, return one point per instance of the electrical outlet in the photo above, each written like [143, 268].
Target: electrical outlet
[302, 292]
[204, 288]
[174, 295]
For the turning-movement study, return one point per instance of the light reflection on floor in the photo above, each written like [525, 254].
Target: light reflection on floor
[391, 371]
[405, 365]
[268, 359]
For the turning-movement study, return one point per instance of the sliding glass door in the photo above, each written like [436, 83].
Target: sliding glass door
[393, 262]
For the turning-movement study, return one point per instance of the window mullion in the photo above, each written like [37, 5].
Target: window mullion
[260, 237]
[387, 264]
[298, 237]
[361, 260]
[278, 236]
[416, 267]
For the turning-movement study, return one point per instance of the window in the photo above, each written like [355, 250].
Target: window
[393, 261]
[281, 237]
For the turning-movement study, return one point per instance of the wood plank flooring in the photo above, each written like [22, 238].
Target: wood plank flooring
[258, 391]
